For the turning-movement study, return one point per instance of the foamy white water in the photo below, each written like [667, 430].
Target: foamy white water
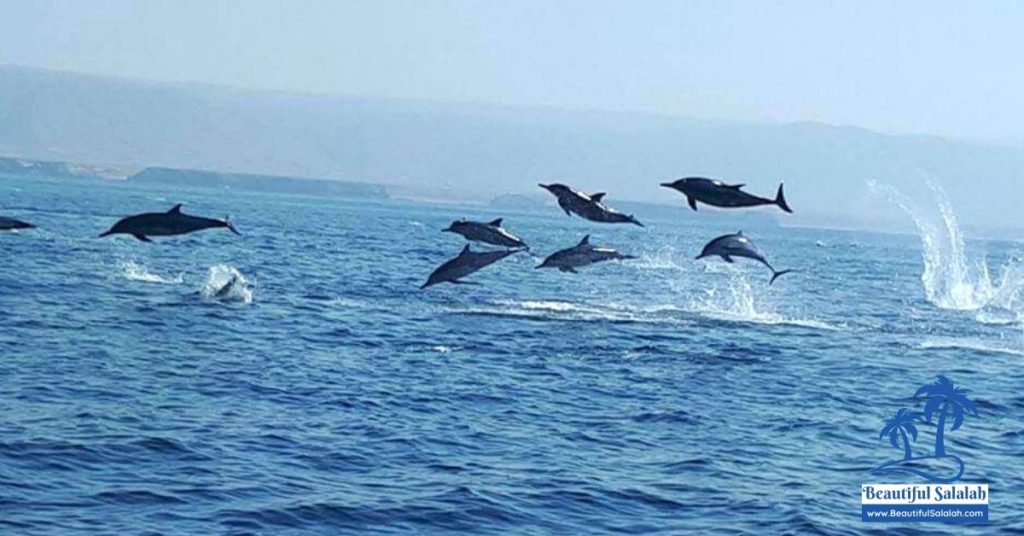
[951, 279]
[134, 271]
[215, 287]
[737, 301]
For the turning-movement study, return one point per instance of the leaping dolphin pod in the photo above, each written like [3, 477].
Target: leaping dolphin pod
[488, 233]
[718, 194]
[465, 263]
[588, 207]
[169, 223]
[738, 245]
[10, 224]
[580, 255]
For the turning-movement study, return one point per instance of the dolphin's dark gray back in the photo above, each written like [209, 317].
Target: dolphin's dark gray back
[7, 224]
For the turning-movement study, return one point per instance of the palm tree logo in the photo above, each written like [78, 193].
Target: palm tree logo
[947, 399]
[897, 429]
[950, 404]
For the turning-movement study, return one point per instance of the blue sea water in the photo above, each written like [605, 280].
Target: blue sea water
[662, 395]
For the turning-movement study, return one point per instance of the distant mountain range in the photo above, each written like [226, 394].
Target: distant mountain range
[477, 152]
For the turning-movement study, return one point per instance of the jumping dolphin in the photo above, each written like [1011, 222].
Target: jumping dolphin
[580, 255]
[169, 223]
[588, 207]
[738, 245]
[464, 264]
[719, 194]
[9, 224]
[488, 233]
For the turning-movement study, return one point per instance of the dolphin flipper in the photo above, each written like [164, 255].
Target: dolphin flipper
[727, 258]
[692, 202]
[141, 237]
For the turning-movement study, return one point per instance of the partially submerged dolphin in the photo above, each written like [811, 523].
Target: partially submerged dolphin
[738, 245]
[465, 263]
[227, 288]
[169, 223]
[580, 255]
[718, 194]
[588, 207]
[9, 224]
[489, 233]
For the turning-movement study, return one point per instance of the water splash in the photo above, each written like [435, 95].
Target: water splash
[950, 279]
[134, 271]
[226, 284]
[737, 301]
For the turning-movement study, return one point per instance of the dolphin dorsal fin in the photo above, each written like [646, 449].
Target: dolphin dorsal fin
[176, 209]
[597, 197]
[495, 223]
[740, 232]
[585, 241]
[735, 186]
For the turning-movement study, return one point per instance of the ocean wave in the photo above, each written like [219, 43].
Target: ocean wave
[976, 345]
[739, 306]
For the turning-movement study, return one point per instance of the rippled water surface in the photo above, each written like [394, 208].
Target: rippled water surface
[327, 394]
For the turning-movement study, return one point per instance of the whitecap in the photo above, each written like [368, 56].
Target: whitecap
[968, 344]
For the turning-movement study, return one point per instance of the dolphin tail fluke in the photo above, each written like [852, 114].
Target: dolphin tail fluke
[780, 199]
[776, 275]
[108, 233]
[231, 226]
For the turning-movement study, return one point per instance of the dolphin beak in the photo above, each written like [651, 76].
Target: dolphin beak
[231, 227]
[108, 233]
[668, 184]
[448, 230]
[545, 186]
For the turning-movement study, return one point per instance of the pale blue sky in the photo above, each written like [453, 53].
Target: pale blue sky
[949, 68]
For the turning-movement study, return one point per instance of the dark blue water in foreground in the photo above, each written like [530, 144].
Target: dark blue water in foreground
[661, 395]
